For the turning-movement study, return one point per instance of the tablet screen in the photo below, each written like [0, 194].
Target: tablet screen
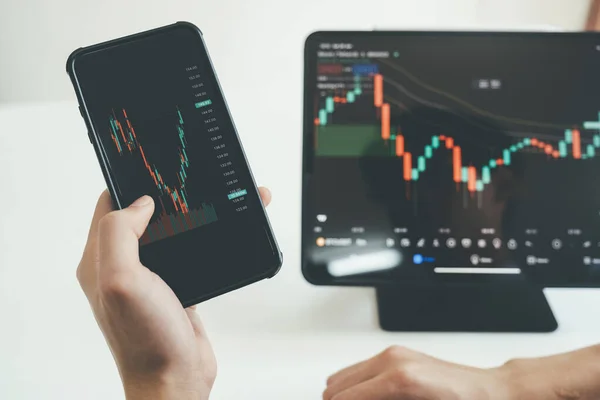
[452, 157]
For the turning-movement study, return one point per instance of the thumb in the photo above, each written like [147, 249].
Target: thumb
[119, 234]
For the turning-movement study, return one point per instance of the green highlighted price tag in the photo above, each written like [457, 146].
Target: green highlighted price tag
[237, 194]
[203, 103]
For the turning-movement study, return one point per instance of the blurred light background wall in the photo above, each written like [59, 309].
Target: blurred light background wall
[252, 42]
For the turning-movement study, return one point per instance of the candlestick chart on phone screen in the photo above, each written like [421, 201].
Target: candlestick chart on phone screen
[175, 211]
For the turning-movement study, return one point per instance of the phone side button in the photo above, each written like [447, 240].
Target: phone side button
[88, 132]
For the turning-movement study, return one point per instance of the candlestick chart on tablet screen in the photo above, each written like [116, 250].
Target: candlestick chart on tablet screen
[460, 154]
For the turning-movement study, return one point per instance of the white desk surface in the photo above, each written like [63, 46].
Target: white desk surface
[278, 339]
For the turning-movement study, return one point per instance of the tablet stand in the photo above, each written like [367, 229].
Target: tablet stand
[484, 308]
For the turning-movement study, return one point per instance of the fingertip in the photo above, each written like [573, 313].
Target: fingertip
[265, 195]
[143, 201]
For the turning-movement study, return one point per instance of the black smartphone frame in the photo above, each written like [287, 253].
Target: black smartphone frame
[308, 155]
[107, 173]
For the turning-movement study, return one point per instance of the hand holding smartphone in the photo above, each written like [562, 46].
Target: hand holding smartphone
[160, 125]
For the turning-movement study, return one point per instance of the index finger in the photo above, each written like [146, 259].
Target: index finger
[86, 271]
[103, 207]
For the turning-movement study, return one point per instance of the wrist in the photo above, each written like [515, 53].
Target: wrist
[510, 379]
[529, 379]
[165, 387]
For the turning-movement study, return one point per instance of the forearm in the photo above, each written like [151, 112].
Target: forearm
[568, 376]
[159, 392]
[165, 389]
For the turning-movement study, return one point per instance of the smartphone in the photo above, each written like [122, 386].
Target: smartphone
[159, 124]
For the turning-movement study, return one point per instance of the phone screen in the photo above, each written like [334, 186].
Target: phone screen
[163, 128]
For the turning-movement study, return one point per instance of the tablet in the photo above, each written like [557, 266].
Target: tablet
[451, 157]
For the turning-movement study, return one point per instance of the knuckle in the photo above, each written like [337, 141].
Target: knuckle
[338, 396]
[79, 274]
[394, 353]
[83, 273]
[115, 287]
[400, 374]
[402, 379]
[328, 393]
[514, 362]
[345, 395]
